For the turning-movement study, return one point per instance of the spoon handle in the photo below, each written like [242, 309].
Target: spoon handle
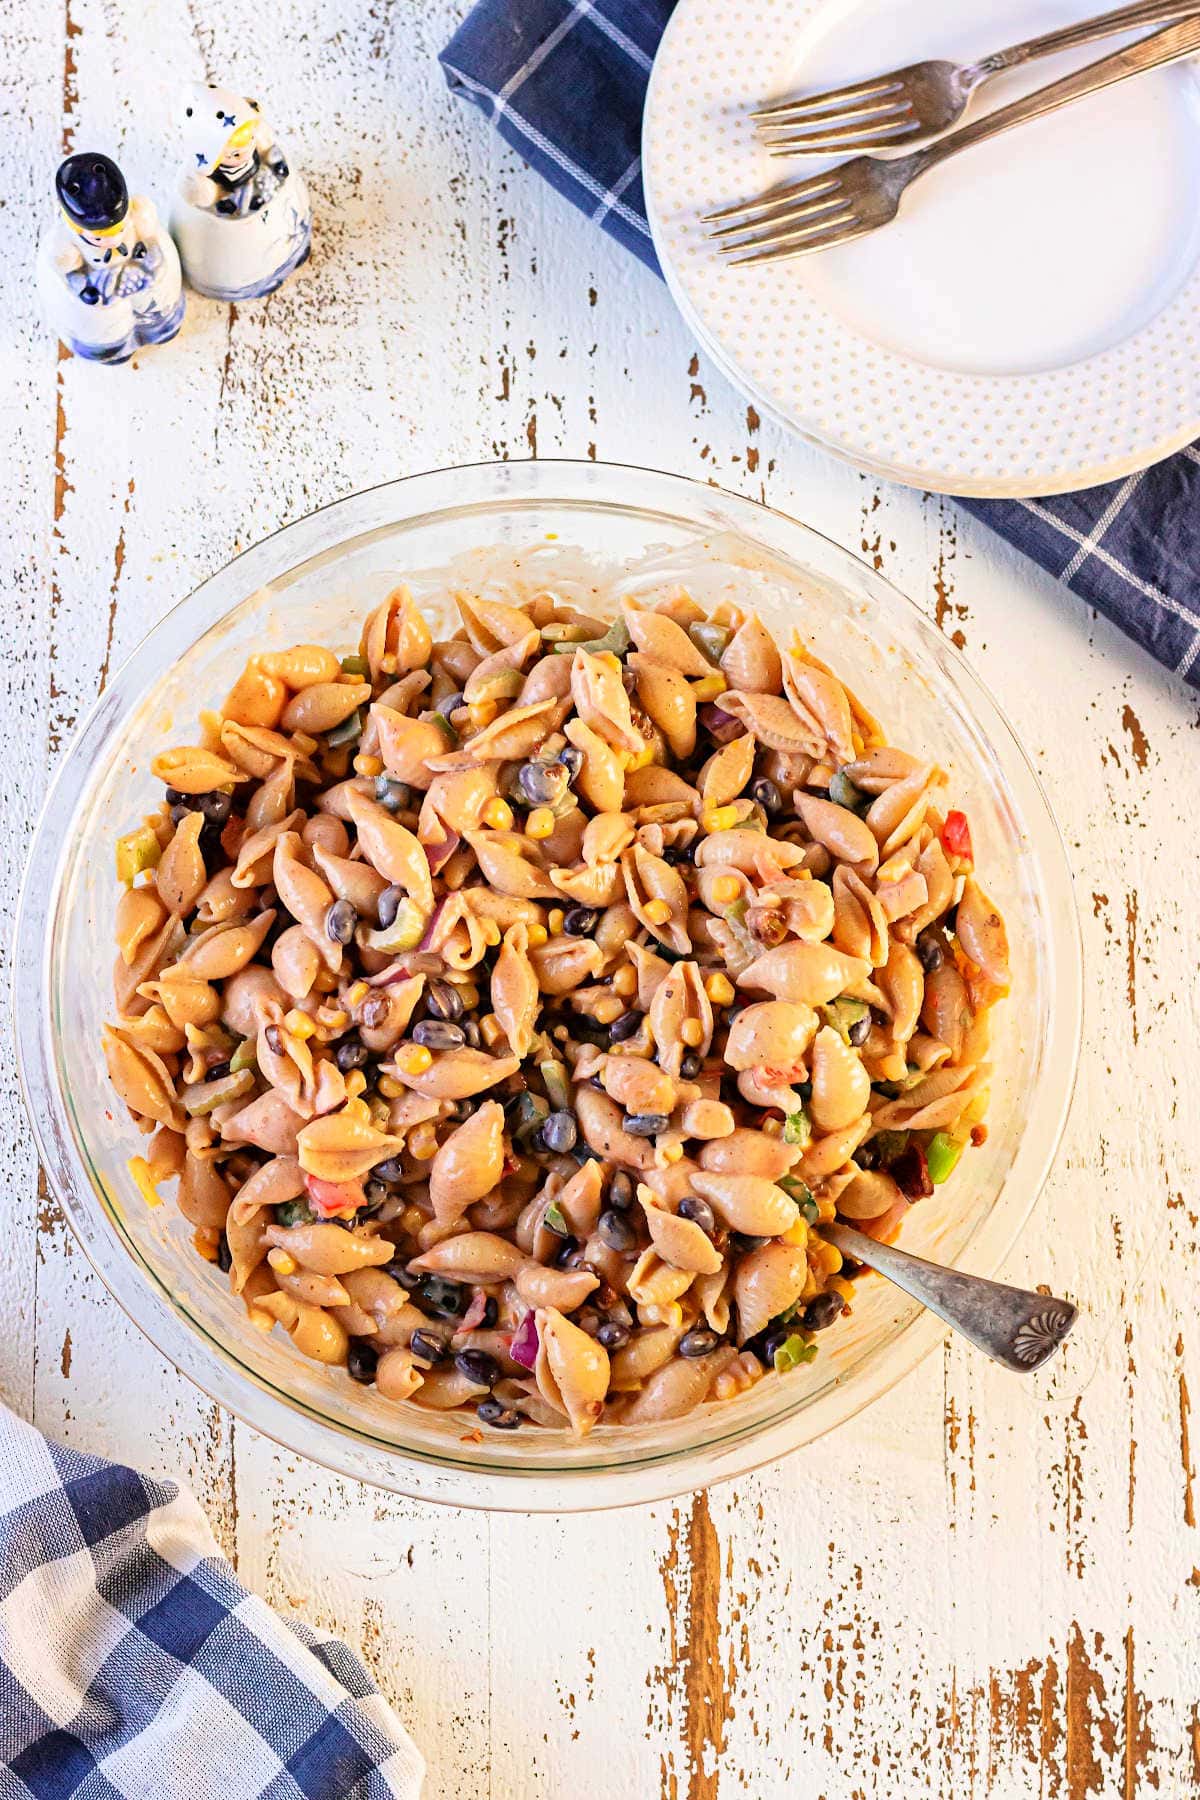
[1014, 1327]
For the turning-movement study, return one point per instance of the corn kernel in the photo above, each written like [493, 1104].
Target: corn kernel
[491, 1030]
[414, 1059]
[422, 1142]
[389, 1087]
[657, 911]
[490, 932]
[719, 989]
[797, 1234]
[540, 822]
[139, 1168]
[298, 1023]
[482, 712]
[357, 994]
[719, 818]
[771, 1127]
[672, 1153]
[624, 982]
[725, 889]
[282, 1262]
[692, 1033]
[556, 921]
[826, 1257]
[411, 1220]
[708, 687]
[357, 1109]
[607, 1011]
[356, 1084]
[498, 814]
[380, 1112]
[538, 935]
[202, 1243]
[639, 759]
[611, 658]
[368, 765]
[261, 1321]
[845, 1288]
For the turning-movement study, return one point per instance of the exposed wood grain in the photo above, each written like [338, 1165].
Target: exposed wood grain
[980, 1587]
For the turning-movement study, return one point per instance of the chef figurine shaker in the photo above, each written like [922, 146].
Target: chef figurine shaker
[107, 271]
[241, 217]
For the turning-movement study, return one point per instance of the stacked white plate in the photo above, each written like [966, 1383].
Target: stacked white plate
[1029, 324]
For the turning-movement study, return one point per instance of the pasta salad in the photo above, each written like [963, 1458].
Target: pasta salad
[513, 1008]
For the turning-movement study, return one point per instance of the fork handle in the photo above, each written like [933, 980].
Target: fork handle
[1085, 31]
[1168, 46]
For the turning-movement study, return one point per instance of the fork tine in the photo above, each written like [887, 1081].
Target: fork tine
[846, 137]
[889, 106]
[776, 221]
[832, 100]
[750, 209]
[824, 237]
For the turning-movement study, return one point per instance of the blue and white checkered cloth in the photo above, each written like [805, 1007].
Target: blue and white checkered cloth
[134, 1666]
[564, 82]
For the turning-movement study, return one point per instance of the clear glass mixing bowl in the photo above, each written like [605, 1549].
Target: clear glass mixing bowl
[312, 582]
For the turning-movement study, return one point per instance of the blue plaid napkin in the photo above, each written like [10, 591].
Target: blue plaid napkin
[134, 1666]
[564, 82]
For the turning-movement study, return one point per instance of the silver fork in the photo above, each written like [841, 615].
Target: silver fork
[908, 106]
[860, 195]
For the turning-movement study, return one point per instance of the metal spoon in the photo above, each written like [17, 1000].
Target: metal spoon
[1014, 1327]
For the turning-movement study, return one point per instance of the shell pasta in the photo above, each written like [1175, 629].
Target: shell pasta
[512, 1009]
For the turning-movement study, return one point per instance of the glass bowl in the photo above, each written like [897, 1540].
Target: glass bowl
[312, 581]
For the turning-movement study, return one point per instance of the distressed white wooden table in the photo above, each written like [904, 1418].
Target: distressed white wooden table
[982, 1586]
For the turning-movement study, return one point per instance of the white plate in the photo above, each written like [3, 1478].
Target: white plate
[1030, 323]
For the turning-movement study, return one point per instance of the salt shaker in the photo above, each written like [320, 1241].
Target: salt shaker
[241, 217]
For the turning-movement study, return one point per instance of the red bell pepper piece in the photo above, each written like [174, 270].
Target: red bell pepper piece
[956, 836]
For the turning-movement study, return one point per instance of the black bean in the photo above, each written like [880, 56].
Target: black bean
[470, 1030]
[340, 921]
[543, 783]
[175, 797]
[678, 853]
[646, 1124]
[217, 1071]
[491, 1312]
[388, 905]
[821, 1312]
[450, 703]
[438, 1034]
[179, 813]
[560, 1133]
[579, 921]
[391, 1170]
[571, 760]
[931, 951]
[403, 1276]
[447, 1298]
[767, 795]
[274, 1040]
[224, 1255]
[860, 1031]
[743, 1243]
[462, 1109]
[867, 1156]
[478, 1366]
[774, 1340]
[691, 1066]
[570, 1248]
[428, 1346]
[625, 1027]
[351, 1053]
[443, 1001]
[215, 806]
[393, 796]
[699, 1212]
[376, 1193]
[698, 1342]
[620, 1191]
[375, 1009]
[493, 1412]
[361, 1362]
[616, 1230]
[613, 1335]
